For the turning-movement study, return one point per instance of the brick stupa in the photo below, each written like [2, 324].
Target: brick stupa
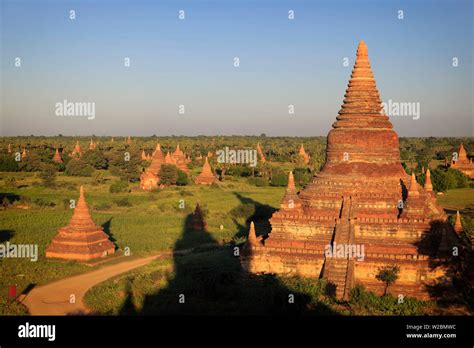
[149, 179]
[77, 151]
[206, 177]
[57, 157]
[260, 153]
[361, 198]
[463, 164]
[81, 239]
[303, 155]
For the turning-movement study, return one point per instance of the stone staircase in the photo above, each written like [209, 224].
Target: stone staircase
[339, 271]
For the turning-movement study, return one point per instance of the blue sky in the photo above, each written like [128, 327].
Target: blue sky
[190, 62]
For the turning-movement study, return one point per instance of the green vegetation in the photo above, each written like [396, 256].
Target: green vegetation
[35, 198]
[388, 275]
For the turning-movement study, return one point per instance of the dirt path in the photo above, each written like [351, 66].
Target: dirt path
[53, 298]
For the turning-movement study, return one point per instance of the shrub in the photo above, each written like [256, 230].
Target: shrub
[118, 186]
[279, 178]
[8, 164]
[302, 176]
[77, 167]
[10, 181]
[96, 159]
[245, 211]
[48, 175]
[446, 179]
[123, 202]
[103, 206]
[258, 181]
[182, 178]
[42, 203]
[168, 174]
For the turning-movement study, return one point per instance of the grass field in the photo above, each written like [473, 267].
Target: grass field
[154, 221]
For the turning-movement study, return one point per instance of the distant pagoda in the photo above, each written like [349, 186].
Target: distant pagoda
[206, 177]
[260, 153]
[77, 151]
[81, 239]
[303, 155]
[463, 164]
[149, 179]
[92, 145]
[57, 157]
[361, 198]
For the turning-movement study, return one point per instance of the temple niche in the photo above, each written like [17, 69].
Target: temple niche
[362, 199]
[462, 163]
[81, 239]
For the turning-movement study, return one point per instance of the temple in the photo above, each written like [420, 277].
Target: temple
[463, 164]
[260, 153]
[92, 145]
[303, 155]
[77, 151]
[149, 179]
[81, 239]
[206, 177]
[57, 157]
[362, 201]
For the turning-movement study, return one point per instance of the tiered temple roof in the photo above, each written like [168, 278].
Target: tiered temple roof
[361, 197]
[81, 239]
[206, 177]
[463, 164]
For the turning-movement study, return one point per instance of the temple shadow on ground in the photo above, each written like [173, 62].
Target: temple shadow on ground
[8, 198]
[211, 281]
[6, 235]
[456, 288]
[260, 216]
[106, 226]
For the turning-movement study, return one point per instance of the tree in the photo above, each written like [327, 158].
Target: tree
[48, 175]
[119, 186]
[168, 174]
[279, 178]
[388, 275]
[182, 178]
[96, 159]
[8, 164]
[77, 167]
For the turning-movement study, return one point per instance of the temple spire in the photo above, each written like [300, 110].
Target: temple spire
[81, 239]
[362, 99]
[428, 184]
[252, 238]
[413, 190]
[291, 183]
[57, 157]
[206, 177]
[457, 224]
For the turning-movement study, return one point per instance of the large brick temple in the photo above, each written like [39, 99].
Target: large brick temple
[361, 198]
